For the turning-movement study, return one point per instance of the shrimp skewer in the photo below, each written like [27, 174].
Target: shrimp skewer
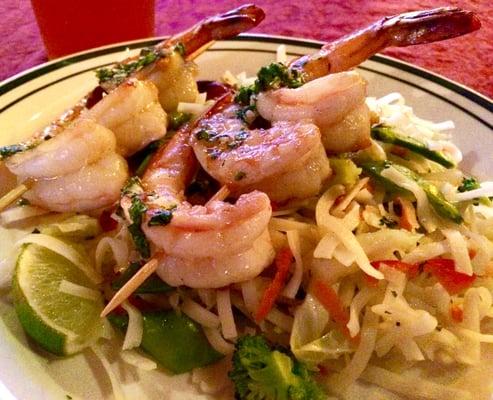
[287, 160]
[203, 246]
[335, 99]
[132, 110]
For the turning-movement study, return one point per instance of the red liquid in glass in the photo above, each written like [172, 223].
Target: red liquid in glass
[69, 26]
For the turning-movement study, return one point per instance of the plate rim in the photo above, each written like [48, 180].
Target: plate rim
[32, 73]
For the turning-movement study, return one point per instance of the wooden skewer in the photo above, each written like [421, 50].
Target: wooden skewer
[14, 194]
[220, 195]
[132, 285]
[199, 51]
[148, 269]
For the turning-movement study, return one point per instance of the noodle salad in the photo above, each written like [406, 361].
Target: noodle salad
[281, 236]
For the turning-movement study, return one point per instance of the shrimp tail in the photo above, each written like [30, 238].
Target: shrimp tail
[218, 27]
[401, 30]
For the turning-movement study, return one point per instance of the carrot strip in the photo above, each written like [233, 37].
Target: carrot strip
[282, 262]
[456, 313]
[411, 270]
[331, 302]
[407, 219]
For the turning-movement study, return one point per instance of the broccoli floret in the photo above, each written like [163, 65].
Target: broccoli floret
[260, 373]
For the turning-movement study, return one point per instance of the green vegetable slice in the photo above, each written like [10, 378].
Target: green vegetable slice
[174, 341]
[387, 134]
[441, 205]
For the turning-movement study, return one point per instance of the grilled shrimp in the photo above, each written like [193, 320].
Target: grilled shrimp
[336, 103]
[285, 161]
[129, 105]
[77, 170]
[203, 246]
[133, 113]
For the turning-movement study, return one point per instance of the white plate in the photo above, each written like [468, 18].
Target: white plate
[30, 100]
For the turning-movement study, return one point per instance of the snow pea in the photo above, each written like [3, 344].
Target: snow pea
[175, 341]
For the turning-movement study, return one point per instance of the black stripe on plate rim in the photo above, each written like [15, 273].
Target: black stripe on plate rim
[431, 93]
[477, 98]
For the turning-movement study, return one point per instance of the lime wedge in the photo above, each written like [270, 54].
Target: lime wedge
[59, 322]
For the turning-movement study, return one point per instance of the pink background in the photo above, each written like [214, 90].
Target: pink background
[467, 60]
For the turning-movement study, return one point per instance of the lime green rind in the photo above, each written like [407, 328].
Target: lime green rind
[59, 322]
[45, 336]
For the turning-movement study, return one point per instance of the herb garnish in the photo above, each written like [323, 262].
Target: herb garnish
[162, 217]
[177, 119]
[468, 184]
[180, 49]
[273, 76]
[121, 71]
[133, 189]
[10, 150]
[388, 222]
[240, 175]
[136, 210]
[247, 114]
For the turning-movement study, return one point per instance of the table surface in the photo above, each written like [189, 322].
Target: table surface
[467, 60]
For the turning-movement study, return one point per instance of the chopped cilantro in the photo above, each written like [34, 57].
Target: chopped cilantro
[132, 186]
[388, 222]
[23, 202]
[139, 240]
[177, 119]
[180, 49]
[239, 175]
[135, 211]
[242, 113]
[162, 217]
[203, 135]
[121, 71]
[273, 76]
[468, 184]
[10, 150]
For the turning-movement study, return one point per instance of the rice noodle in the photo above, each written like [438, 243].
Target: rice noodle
[425, 214]
[470, 351]
[349, 240]
[208, 297]
[79, 291]
[358, 303]
[225, 311]
[135, 328]
[350, 196]
[413, 385]
[280, 319]
[426, 252]
[341, 381]
[251, 296]
[285, 225]
[217, 342]
[200, 314]
[136, 359]
[119, 251]
[325, 203]
[60, 247]
[458, 248]
[294, 283]
[20, 213]
[485, 190]
[117, 389]
[281, 56]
